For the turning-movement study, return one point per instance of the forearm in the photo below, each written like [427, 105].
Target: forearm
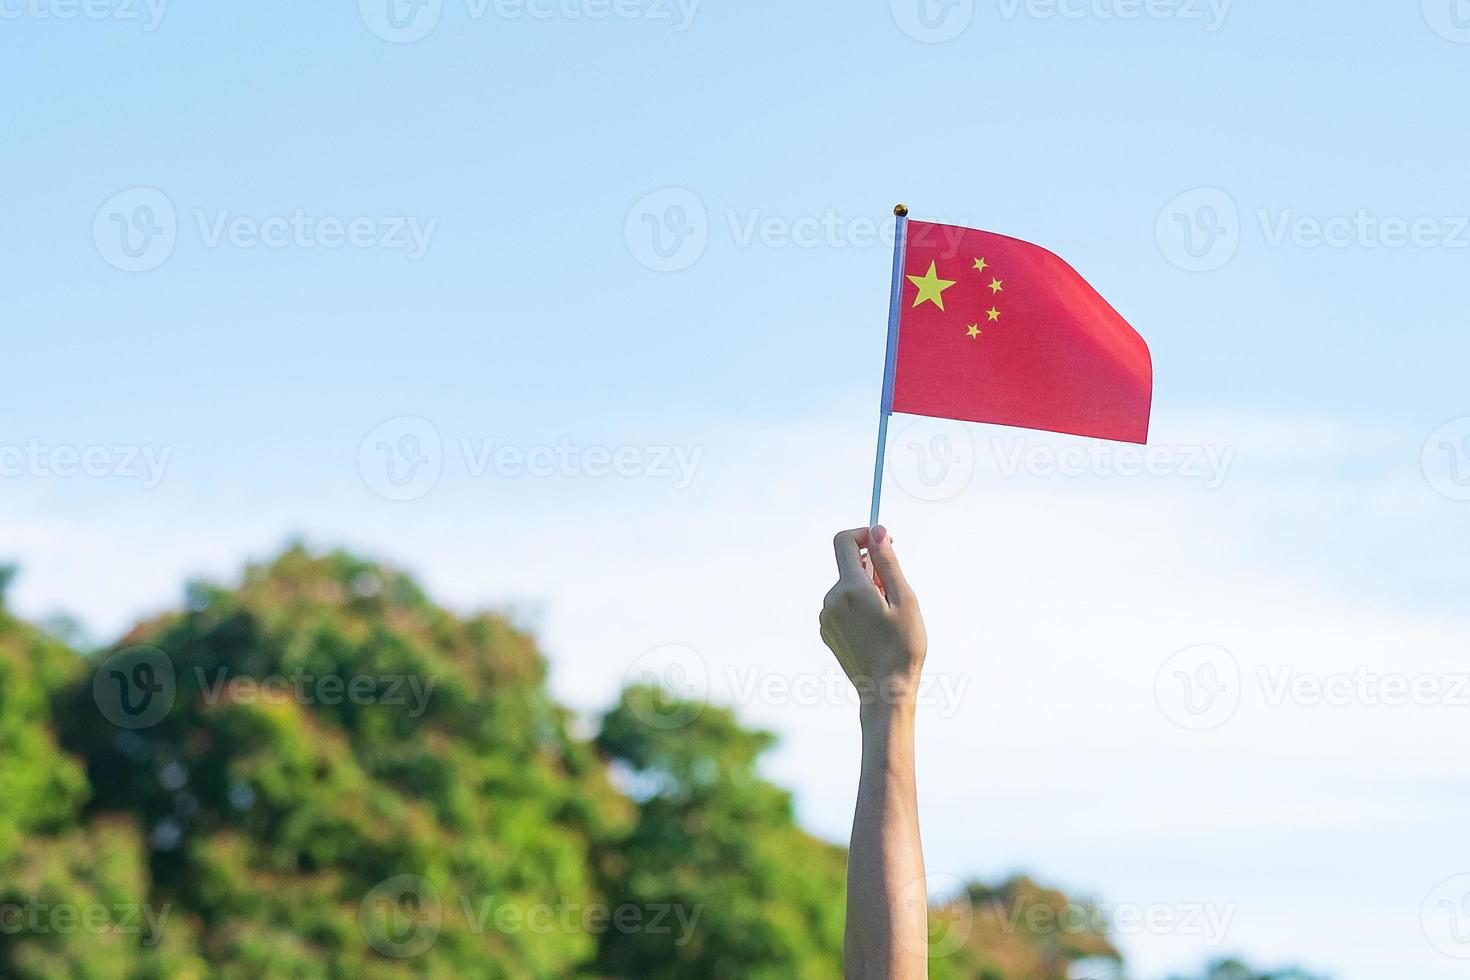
[887, 904]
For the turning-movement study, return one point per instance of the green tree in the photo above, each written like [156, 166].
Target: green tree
[1018, 930]
[715, 840]
[74, 900]
[333, 730]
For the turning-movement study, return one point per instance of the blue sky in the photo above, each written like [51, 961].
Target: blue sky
[501, 174]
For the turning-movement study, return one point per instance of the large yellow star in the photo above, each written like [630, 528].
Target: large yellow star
[931, 287]
[993, 314]
[973, 330]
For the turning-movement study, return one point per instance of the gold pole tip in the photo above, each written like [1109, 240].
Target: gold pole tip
[902, 210]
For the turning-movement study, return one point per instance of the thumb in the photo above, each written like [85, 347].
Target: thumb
[880, 553]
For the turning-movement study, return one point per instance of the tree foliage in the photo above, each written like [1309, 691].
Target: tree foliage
[713, 837]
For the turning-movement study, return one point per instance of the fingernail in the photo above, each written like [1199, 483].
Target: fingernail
[878, 535]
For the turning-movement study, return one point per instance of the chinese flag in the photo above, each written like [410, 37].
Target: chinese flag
[992, 329]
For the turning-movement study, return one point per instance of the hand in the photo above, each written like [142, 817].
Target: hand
[873, 624]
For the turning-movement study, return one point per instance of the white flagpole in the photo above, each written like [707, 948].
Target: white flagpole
[890, 358]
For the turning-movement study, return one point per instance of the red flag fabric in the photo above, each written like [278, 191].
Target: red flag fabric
[994, 329]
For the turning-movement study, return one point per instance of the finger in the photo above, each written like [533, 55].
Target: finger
[849, 545]
[880, 552]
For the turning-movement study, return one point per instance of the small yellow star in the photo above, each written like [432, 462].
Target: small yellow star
[993, 313]
[995, 285]
[974, 330]
[931, 287]
[980, 265]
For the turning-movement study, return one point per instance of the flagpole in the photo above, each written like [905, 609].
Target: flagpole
[890, 357]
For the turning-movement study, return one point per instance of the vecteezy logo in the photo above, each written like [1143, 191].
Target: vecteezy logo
[135, 230]
[401, 21]
[135, 687]
[401, 917]
[1445, 917]
[932, 21]
[667, 230]
[1199, 231]
[682, 676]
[401, 459]
[951, 914]
[1199, 687]
[1446, 459]
[932, 459]
[1450, 19]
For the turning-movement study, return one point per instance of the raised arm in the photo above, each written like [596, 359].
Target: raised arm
[872, 624]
